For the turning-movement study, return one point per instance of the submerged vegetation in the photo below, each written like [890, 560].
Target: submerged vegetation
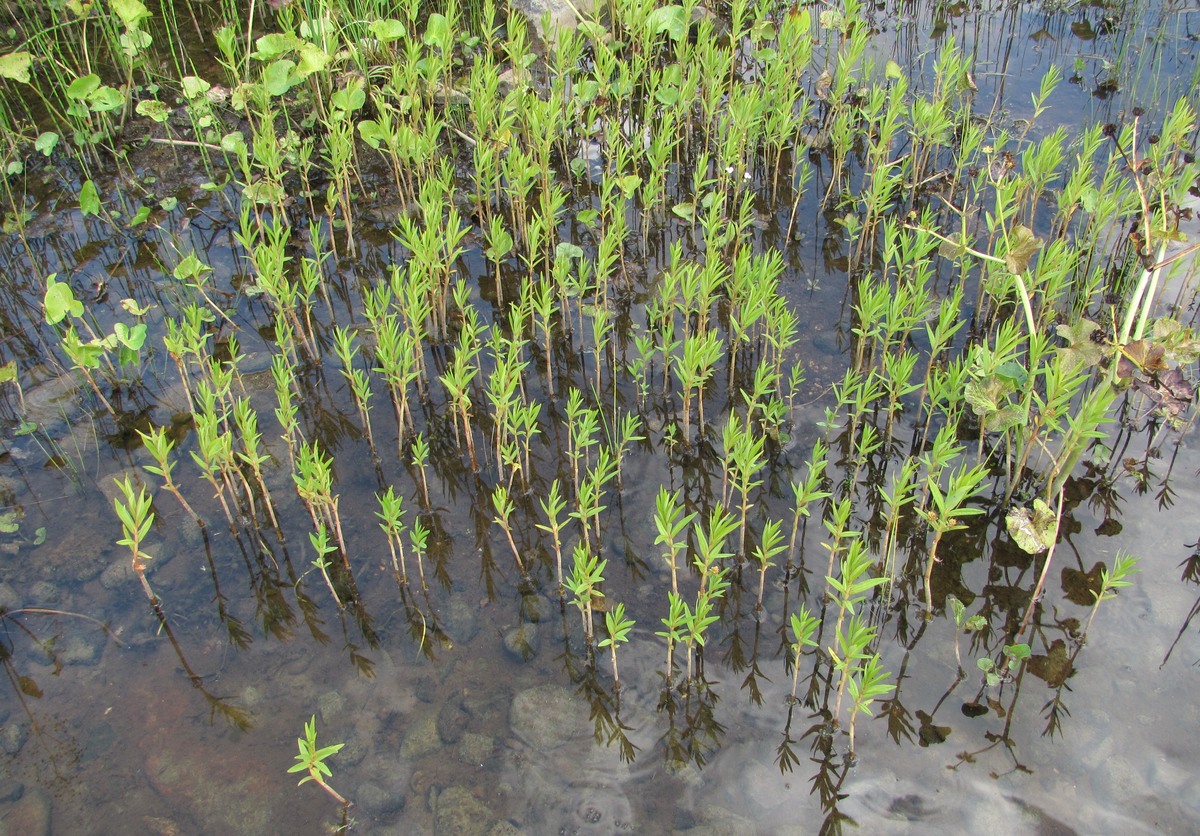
[555, 287]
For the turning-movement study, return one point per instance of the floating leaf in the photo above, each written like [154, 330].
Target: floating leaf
[279, 76]
[60, 300]
[388, 30]
[1055, 667]
[669, 20]
[1147, 356]
[89, 199]
[194, 87]
[1022, 244]
[312, 59]
[134, 308]
[82, 87]
[1013, 374]
[438, 33]
[131, 12]
[1034, 531]
[568, 250]
[28, 687]
[1081, 348]
[893, 71]
[272, 46]
[15, 65]
[687, 211]
[153, 109]
[46, 142]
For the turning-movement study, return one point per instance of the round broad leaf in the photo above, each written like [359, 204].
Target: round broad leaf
[82, 87]
[89, 199]
[15, 65]
[272, 46]
[153, 109]
[437, 32]
[279, 76]
[194, 87]
[312, 59]
[106, 99]
[131, 12]
[46, 142]
[388, 30]
[1034, 531]
[669, 20]
[566, 249]
[60, 301]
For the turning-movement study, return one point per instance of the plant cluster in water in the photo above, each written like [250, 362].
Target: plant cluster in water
[635, 197]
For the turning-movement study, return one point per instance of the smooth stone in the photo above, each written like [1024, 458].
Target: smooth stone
[10, 790]
[536, 608]
[459, 813]
[548, 716]
[505, 828]
[331, 706]
[378, 801]
[451, 720]
[13, 737]
[422, 739]
[9, 599]
[29, 816]
[82, 650]
[120, 572]
[476, 749]
[45, 594]
[717, 821]
[522, 642]
[459, 622]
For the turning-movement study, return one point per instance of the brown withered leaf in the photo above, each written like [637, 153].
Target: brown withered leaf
[1022, 244]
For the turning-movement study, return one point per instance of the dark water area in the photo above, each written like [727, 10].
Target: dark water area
[475, 705]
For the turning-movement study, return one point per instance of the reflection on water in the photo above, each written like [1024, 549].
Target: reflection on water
[472, 706]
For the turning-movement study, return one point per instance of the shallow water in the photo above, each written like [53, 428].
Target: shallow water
[445, 728]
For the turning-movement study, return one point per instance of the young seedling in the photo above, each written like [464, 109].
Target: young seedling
[323, 547]
[618, 627]
[949, 506]
[1014, 654]
[804, 627]
[671, 524]
[865, 688]
[587, 573]
[391, 515]
[504, 507]
[1123, 566]
[553, 506]
[962, 624]
[136, 518]
[770, 545]
[312, 760]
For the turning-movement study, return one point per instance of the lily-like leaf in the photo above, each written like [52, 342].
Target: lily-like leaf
[1022, 244]
[1034, 531]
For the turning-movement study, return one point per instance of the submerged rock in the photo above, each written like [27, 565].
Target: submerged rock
[28, 816]
[561, 14]
[379, 801]
[422, 739]
[548, 716]
[458, 621]
[523, 642]
[459, 813]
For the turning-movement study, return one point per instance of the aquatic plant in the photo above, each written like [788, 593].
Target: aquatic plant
[312, 761]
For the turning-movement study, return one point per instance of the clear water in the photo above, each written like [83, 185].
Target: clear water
[141, 731]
